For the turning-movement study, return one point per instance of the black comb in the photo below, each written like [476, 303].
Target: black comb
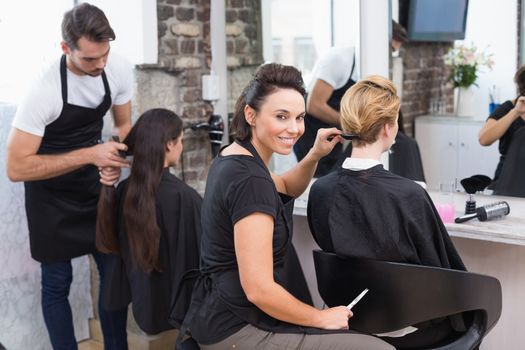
[345, 136]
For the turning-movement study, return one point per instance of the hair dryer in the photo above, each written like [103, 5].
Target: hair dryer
[215, 127]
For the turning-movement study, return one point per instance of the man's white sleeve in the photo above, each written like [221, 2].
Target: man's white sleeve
[40, 107]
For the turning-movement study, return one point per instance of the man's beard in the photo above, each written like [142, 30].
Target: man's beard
[93, 73]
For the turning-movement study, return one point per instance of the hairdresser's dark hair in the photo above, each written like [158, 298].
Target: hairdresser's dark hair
[147, 142]
[399, 33]
[519, 79]
[268, 78]
[88, 21]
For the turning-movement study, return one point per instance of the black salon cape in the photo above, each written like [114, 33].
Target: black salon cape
[511, 181]
[152, 296]
[379, 215]
[375, 214]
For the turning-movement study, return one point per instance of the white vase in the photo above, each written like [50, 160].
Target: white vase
[465, 102]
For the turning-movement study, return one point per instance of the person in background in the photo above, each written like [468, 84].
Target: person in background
[54, 147]
[238, 300]
[405, 158]
[504, 121]
[364, 211]
[333, 74]
[156, 238]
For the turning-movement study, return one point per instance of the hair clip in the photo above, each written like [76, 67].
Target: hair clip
[344, 136]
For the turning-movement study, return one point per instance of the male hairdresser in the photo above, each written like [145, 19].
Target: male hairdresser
[333, 74]
[54, 147]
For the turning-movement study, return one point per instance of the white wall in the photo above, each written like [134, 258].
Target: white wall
[135, 26]
[494, 24]
[30, 40]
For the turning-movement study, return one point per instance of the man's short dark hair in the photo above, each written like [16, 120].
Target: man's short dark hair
[399, 33]
[86, 20]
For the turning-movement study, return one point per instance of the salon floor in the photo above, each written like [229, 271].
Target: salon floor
[90, 345]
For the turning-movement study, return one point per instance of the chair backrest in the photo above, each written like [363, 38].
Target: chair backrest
[402, 295]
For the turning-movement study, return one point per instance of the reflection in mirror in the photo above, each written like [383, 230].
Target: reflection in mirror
[300, 32]
[449, 143]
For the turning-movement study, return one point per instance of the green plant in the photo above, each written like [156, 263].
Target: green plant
[465, 63]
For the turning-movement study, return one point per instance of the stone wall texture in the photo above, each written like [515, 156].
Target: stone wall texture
[184, 56]
[175, 81]
[243, 45]
[425, 78]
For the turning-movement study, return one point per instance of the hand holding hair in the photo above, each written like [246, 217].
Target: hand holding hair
[520, 105]
[325, 141]
[109, 176]
[107, 155]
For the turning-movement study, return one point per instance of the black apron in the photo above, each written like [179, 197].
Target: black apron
[312, 124]
[61, 211]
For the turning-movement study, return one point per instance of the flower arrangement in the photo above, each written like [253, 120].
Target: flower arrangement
[465, 62]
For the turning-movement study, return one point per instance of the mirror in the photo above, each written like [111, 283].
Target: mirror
[449, 143]
[428, 98]
[297, 32]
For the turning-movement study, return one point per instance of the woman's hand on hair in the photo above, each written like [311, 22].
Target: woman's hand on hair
[325, 142]
[520, 106]
[109, 175]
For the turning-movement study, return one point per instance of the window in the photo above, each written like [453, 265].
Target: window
[30, 37]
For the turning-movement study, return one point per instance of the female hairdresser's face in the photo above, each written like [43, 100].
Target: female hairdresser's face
[279, 122]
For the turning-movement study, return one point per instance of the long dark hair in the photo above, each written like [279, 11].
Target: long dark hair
[147, 142]
[268, 78]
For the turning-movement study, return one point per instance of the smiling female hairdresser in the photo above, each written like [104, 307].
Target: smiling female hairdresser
[239, 301]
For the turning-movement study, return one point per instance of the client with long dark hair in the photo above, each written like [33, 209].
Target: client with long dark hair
[240, 300]
[155, 237]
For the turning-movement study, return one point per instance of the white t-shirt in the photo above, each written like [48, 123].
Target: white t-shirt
[334, 67]
[43, 104]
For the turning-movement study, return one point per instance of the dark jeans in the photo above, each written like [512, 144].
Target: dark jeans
[56, 281]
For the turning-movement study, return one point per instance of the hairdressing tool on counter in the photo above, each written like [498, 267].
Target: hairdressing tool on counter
[345, 136]
[472, 185]
[356, 300]
[487, 212]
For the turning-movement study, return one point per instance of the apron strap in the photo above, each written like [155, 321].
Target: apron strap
[249, 146]
[63, 78]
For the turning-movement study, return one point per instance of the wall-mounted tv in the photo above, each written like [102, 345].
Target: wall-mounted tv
[434, 20]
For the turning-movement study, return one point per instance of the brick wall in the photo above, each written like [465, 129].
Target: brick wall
[425, 77]
[175, 82]
[184, 56]
[243, 44]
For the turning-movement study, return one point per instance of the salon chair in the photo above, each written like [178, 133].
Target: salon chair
[402, 295]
